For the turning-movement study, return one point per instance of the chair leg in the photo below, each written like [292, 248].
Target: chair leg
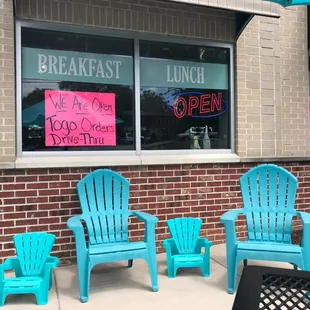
[51, 280]
[152, 263]
[231, 275]
[175, 270]
[2, 299]
[84, 283]
[42, 297]
[245, 262]
[206, 267]
[130, 262]
[170, 268]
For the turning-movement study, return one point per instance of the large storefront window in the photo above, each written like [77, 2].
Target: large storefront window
[185, 101]
[78, 94]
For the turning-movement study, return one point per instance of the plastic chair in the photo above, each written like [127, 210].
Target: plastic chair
[32, 265]
[268, 193]
[104, 198]
[184, 248]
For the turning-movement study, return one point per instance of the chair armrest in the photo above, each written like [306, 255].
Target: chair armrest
[52, 261]
[229, 219]
[170, 247]
[230, 216]
[204, 243]
[74, 224]
[150, 221]
[10, 264]
[145, 217]
[304, 216]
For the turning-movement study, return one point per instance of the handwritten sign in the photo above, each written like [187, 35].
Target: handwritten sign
[79, 118]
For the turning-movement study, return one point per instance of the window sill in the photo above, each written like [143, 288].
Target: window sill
[97, 161]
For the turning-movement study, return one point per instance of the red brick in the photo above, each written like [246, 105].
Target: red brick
[156, 193]
[14, 186]
[37, 214]
[6, 179]
[189, 179]
[6, 223]
[27, 222]
[165, 173]
[147, 199]
[198, 172]
[138, 181]
[48, 178]
[48, 192]
[6, 194]
[14, 230]
[48, 206]
[58, 198]
[15, 215]
[156, 180]
[14, 201]
[25, 179]
[70, 177]
[38, 228]
[36, 171]
[49, 220]
[6, 254]
[145, 174]
[37, 185]
[26, 193]
[37, 199]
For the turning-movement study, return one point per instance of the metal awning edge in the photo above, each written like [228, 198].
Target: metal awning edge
[256, 7]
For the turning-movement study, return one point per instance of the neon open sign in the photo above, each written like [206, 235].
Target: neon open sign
[197, 104]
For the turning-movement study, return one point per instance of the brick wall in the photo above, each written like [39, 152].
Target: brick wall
[44, 199]
[7, 84]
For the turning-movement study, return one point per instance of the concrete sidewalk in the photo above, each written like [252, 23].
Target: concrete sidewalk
[114, 286]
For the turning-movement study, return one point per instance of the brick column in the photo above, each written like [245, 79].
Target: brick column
[272, 86]
[7, 82]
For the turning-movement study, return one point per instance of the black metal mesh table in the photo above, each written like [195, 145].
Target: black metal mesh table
[266, 288]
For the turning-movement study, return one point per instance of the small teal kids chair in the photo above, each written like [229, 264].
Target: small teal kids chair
[33, 267]
[184, 248]
[268, 193]
[104, 199]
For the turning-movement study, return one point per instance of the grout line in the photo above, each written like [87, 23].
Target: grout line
[56, 289]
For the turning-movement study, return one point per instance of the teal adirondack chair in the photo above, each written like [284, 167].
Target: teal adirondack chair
[183, 250]
[33, 267]
[104, 199]
[268, 193]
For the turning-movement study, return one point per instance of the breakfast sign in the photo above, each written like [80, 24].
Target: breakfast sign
[79, 118]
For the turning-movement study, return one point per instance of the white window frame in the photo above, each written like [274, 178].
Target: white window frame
[136, 37]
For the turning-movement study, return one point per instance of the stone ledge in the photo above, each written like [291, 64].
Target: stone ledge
[274, 159]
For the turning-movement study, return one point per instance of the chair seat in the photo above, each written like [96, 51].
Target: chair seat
[116, 247]
[22, 282]
[188, 258]
[269, 247]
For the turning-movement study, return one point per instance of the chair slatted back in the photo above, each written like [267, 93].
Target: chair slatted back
[104, 199]
[185, 232]
[269, 193]
[32, 250]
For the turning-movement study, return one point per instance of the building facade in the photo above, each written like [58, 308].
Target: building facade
[180, 98]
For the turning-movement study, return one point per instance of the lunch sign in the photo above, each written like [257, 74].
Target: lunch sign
[66, 110]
